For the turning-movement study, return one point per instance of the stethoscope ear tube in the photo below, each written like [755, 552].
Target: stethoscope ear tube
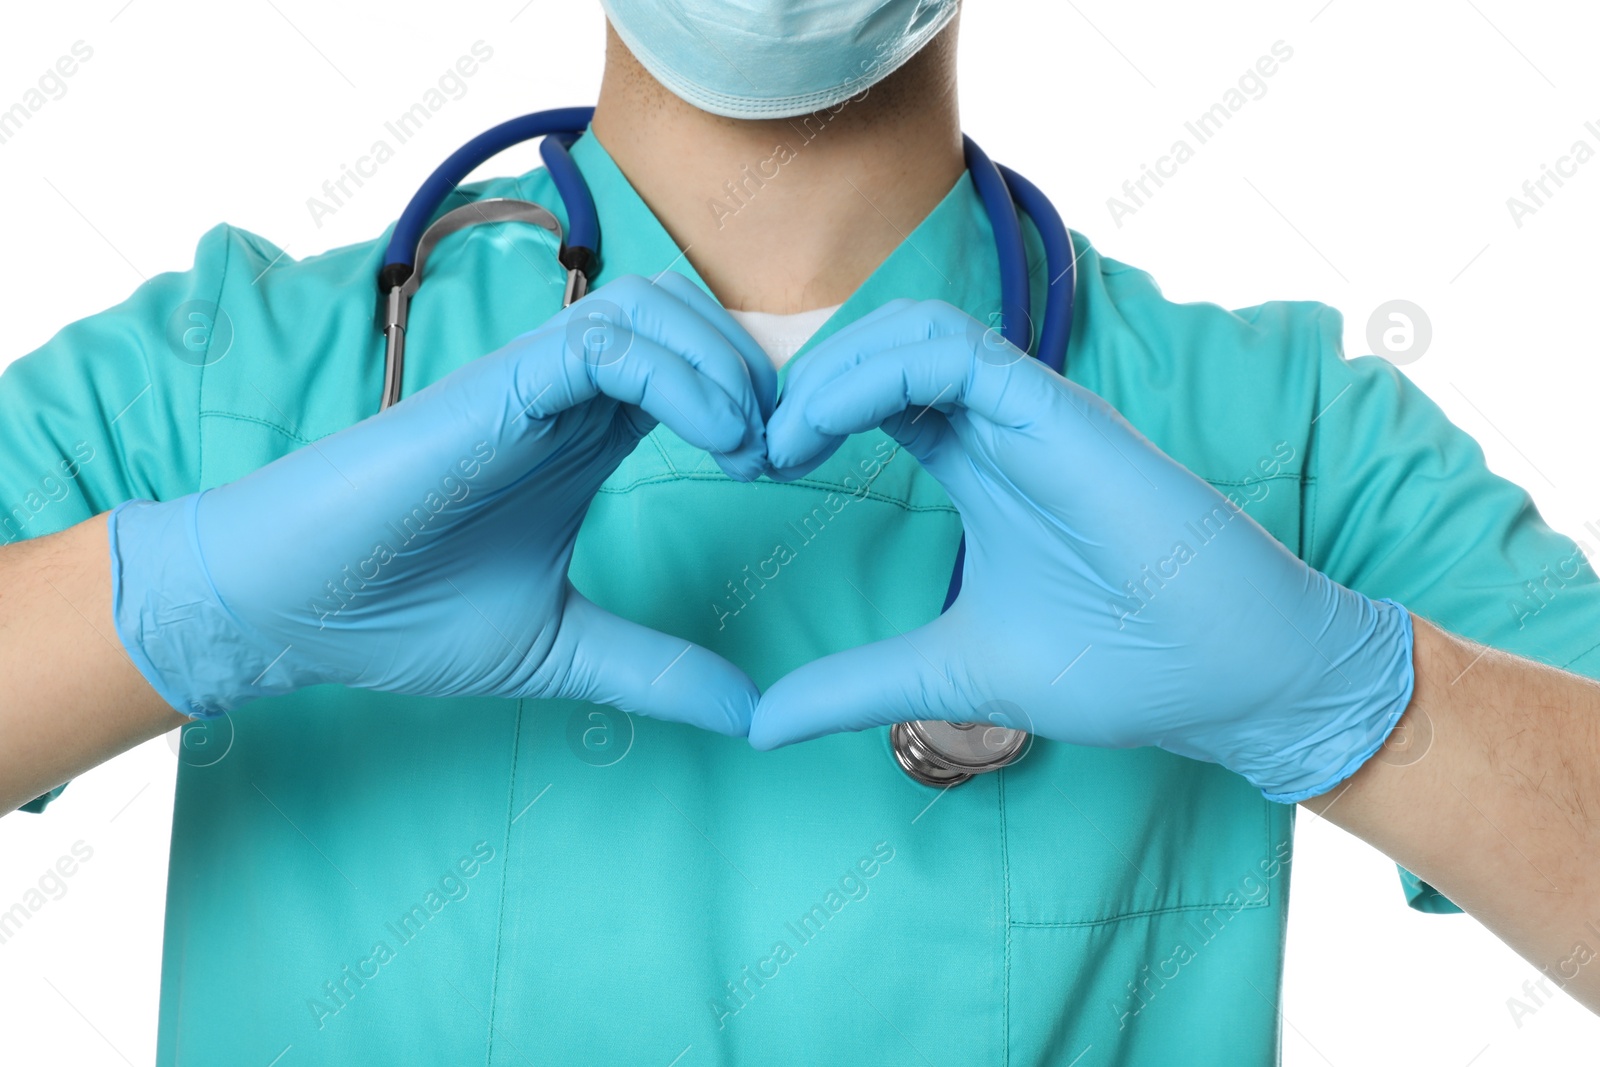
[401, 273]
[397, 301]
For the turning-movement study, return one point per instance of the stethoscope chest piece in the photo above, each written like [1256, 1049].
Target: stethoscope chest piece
[948, 753]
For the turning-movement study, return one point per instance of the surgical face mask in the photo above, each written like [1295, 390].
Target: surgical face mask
[767, 59]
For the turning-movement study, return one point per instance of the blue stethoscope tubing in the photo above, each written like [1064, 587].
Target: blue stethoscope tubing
[1006, 196]
[1003, 192]
[559, 127]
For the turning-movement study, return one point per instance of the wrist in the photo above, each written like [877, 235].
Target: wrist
[195, 653]
[1358, 699]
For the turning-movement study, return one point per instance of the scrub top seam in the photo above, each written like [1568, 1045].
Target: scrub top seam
[1568, 664]
[1308, 495]
[268, 423]
[1145, 914]
[676, 475]
[505, 868]
[663, 479]
[200, 391]
[1005, 978]
[1312, 462]
[648, 480]
[1289, 476]
[661, 450]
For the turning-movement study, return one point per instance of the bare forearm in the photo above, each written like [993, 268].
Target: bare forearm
[1490, 791]
[71, 697]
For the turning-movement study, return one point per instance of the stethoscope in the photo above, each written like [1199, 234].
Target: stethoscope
[933, 752]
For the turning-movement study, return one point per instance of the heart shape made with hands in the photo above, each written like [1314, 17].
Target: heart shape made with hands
[322, 566]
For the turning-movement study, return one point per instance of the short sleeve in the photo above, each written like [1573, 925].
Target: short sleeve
[1401, 504]
[108, 409]
[1423, 897]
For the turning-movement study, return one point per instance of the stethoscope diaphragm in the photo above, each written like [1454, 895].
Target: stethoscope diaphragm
[948, 753]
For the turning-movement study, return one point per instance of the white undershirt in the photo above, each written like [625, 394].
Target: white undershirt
[781, 336]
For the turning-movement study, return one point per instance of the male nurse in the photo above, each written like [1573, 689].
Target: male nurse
[485, 669]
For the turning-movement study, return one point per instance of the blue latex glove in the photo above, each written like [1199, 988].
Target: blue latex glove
[1236, 652]
[424, 550]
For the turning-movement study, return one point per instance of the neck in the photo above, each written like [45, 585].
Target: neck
[786, 215]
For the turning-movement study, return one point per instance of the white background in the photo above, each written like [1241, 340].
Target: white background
[1376, 167]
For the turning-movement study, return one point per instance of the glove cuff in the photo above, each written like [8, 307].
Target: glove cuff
[178, 633]
[1360, 721]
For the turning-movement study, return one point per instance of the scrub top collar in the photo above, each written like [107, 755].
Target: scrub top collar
[949, 255]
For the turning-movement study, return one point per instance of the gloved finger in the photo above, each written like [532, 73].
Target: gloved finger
[790, 466]
[903, 390]
[1063, 449]
[1060, 446]
[825, 359]
[924, 433]
[646, 375]
[803, 449]
[943, 373]
[899, 679]
[604, 659]
[763, 376]
[604, 327]
[895, 323]
[680, 315]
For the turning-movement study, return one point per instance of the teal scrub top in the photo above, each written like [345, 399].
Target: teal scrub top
[359, 877]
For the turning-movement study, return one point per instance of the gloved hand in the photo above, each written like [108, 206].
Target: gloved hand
[424, 550]
[1110, 595]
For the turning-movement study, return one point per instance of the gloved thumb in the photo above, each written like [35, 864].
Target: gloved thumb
[898, 679]
[604, 659]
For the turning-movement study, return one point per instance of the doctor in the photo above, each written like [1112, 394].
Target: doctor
[453, 808]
